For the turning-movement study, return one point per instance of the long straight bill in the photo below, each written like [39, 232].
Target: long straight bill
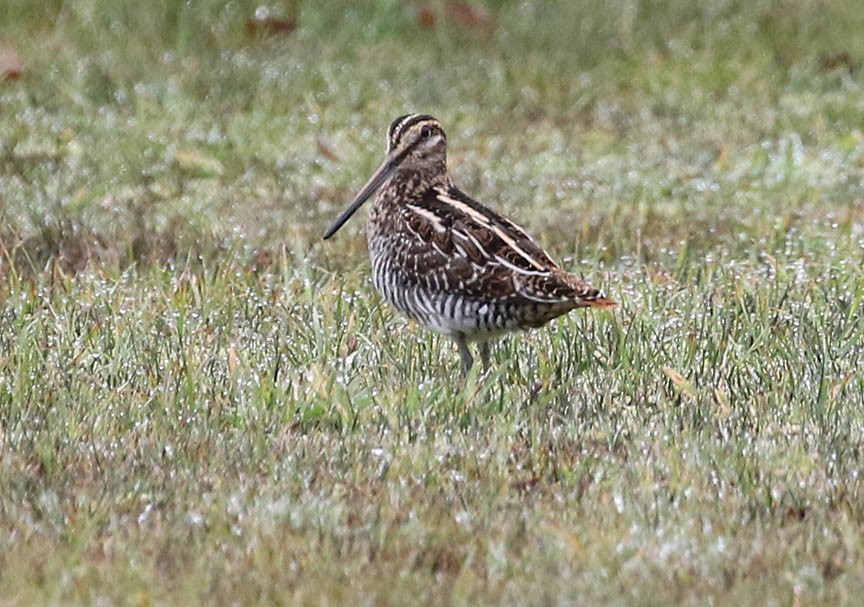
[381, 175]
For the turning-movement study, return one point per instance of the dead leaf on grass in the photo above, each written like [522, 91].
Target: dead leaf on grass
[11, 66]
[679, 381]
[270, 26]
[459, 14]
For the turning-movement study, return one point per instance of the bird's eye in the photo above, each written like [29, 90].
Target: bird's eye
[425, 131]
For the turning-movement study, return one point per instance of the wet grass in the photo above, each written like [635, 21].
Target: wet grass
[202, 403]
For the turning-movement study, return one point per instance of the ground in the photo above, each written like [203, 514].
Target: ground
[203, 403]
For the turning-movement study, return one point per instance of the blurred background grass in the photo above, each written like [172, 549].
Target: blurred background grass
[167, 116]
[202, 402]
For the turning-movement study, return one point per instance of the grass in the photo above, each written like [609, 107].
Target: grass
[202, 403]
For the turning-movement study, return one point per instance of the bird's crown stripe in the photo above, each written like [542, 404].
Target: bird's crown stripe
[402, 126]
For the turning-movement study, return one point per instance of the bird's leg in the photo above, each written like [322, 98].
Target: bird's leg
[467, 359]
[484, 354]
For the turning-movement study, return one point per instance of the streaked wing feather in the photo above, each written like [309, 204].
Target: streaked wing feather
[501, 234]
[464, 247]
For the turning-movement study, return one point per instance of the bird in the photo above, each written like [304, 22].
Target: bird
[443, 259]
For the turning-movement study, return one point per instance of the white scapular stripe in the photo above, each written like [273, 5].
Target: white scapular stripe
[482, 219]
[432, 217]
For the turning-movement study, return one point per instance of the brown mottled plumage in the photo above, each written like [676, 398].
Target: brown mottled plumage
[447, 261]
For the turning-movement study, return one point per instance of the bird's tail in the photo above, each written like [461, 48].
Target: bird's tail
[599, 301]
[589, 297]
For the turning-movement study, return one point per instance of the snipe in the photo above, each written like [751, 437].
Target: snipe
[447, 261]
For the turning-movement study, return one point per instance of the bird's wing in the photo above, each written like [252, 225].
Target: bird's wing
[454, 244]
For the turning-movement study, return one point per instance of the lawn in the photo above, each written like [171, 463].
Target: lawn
[202, 402]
